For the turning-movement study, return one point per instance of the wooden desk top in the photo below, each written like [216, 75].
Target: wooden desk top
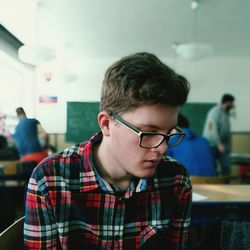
[223, 193]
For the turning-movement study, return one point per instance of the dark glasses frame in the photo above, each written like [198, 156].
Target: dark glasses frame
[141, 134]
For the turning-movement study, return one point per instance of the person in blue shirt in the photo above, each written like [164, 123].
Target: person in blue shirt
[27, 137]
[193, 152]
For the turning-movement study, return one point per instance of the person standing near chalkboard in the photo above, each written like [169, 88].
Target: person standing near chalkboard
[117, 190]
[217, 131]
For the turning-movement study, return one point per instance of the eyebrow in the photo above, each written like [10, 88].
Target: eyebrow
[155, 127]
[138, 127]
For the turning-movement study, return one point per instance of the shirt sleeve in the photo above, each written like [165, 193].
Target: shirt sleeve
[40, 229]
[212, 127]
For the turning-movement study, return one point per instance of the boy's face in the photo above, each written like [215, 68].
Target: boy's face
[127, 158]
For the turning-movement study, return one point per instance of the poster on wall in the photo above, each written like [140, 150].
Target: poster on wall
[48, 99]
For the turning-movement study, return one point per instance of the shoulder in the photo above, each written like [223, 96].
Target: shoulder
[170, 171]
[169, 166]
[214, 113]
[202, 140]
[172, 180]
[33, 120]
[61, 169]
[214, 110]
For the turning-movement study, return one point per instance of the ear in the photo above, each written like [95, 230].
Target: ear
[103, 121]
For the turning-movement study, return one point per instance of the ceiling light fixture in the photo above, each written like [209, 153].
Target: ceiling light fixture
[193, 50]
[36, 54]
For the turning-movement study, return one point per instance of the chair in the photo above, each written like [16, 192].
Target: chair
[9, 167]
[12, 237]
[16, 173]
[25, 169]
[208, 179]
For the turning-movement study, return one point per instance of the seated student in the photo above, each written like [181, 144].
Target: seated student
[193, 152]
[117, 190]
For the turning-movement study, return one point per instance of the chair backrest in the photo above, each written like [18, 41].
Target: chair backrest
[25, 169]
[12, 237]
[13, 173]
[9, 167]
[208, 179]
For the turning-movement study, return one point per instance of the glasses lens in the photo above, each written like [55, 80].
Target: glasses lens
[174, 139]
[151, 140]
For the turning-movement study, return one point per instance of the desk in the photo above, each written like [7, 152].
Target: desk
[226, 206]
[224, 202]
[223, 193]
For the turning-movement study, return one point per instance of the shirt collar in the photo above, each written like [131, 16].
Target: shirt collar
[137, 185]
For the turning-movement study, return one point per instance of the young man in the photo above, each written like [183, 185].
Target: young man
[217, 131]
[116, 191]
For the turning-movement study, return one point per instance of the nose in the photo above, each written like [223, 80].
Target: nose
[162, 148]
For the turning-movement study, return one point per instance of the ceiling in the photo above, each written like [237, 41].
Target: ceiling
[113, 28]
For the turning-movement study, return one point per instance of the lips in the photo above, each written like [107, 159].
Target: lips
[153, 162]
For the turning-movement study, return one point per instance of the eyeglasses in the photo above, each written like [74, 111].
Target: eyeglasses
[153, 139]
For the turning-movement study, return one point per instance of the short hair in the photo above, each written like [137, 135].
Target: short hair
[227, 98]
[138, 79]
[20, 111]
[182, 121]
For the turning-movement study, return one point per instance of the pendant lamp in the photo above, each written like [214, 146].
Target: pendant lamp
[193, 50]
[36, 54]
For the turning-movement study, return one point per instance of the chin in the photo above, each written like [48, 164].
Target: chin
[146, 174]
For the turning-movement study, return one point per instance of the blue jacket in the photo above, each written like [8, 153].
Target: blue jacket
[26, 136]
[195, 154]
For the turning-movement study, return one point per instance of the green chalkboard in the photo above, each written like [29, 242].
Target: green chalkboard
[82, 118]
[196, 114]
[81, 121]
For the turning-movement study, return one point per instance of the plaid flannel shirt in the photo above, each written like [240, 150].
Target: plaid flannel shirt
[69, 206]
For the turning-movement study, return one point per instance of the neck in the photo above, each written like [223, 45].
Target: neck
[108, 169]
[21, 116]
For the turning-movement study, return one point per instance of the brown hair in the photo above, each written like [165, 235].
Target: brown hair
[138, 79]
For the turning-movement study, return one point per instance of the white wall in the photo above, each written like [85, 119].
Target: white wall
[212, 77]
[86, 87]
[15, 15]
[209, 79]
[16, 85]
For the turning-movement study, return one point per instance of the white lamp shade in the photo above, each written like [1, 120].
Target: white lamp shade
[35, 54]
[193, 50]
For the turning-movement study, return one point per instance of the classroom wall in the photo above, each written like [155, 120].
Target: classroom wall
[17, 86]
[209, 79]
[212, 77]
[241, 143]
